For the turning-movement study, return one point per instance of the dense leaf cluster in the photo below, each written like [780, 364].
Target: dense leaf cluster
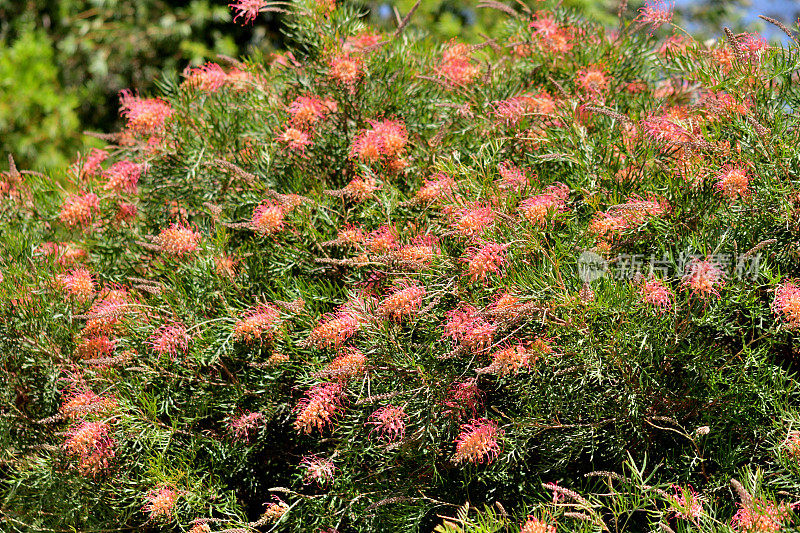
[380, 276]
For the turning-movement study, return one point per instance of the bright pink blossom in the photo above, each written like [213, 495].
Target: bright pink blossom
[478, 442]
[248, 9]
[389, 422]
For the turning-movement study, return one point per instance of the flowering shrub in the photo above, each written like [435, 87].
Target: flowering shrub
[352, 286]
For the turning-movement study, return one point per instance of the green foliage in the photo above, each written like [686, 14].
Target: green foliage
[31, 94]
[347, 289]
[84, 52]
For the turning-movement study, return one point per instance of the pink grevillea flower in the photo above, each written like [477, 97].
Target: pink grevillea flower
[78, 283]
[686, 503]
[107, 311]
[438, 186]
[704, 278]
[335, 329]
[511, 110]
[655, 13]
[208, 78]
[126, 212]
[456, 66]
[160, 503]
[419, 253]
[539, 209]
[275, 510]
[637, 210]
[91, 444]
[95, 347]
[666, 130]
[535, 525]
[512, 177]
[467, 327]
[244, 426]
[317, 470]
[462, 398]
[146, 116]
[620, 218]
[473, 219]
[81, 402]
[675, 44]
[509, 361]
[306, 111]
[655, 292]
[405, 300]
[733, 181]
[268, 218]
[79, 209]
[92, 164]
[122, 176]
[346, 70]
[200, 527]
[759, 516]
[256, 324]
[295, 138]
[169, 340]
[725, 103]
[178, 240]
[362, 40]
[753, 45]
[239, 79]
[385, 140]
[593, 79]
[505, 307]
[544, 24]
[389, 422]
[350, 363]
[349, 235]
[359, 188]
[381, 240]
[549, 35]
[485, 260]
[67, 253]
[248, 9]
[321, 404]
[787, 303]
[478, 442]
[610, 225]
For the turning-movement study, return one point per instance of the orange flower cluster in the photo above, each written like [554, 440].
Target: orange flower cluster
[256, 323]
[78, 209]
[389, 422]
[319, 407]
[385, 141]
[349, 364]
[467, 327]
[456, 66]
[404, 301]
[178, 240]
[91, 444]
[146, 116]
[478, 442]
[79, 283]
[787, 303]
[160, 503]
